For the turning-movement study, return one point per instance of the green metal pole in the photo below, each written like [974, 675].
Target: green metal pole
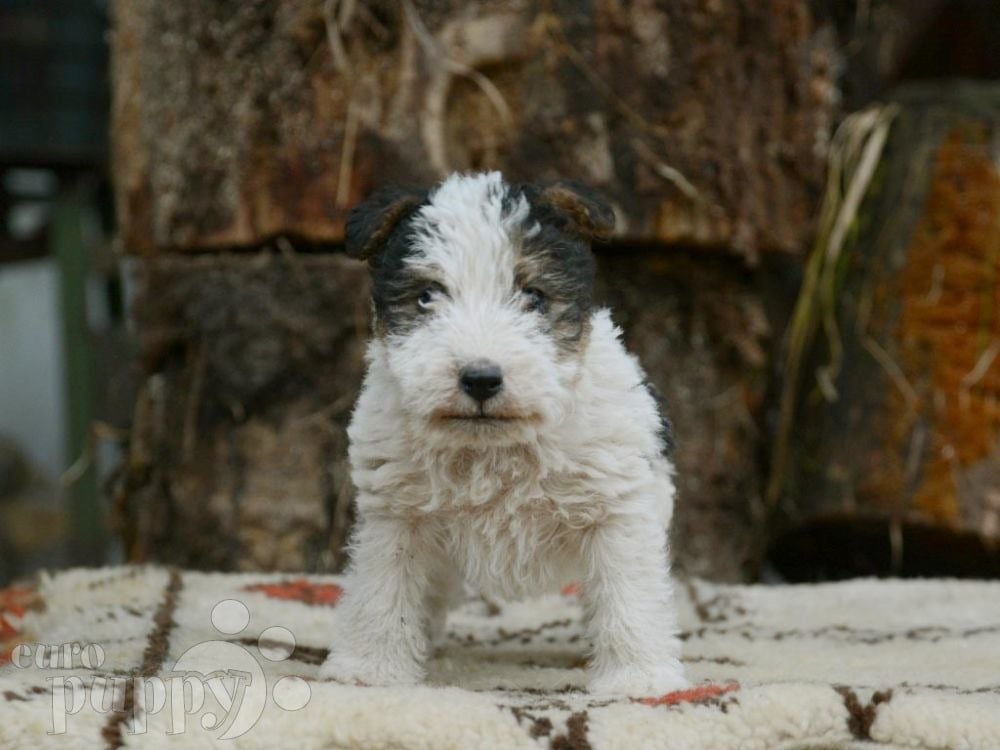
[87, 524]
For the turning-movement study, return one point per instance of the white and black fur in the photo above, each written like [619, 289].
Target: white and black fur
[503, 437]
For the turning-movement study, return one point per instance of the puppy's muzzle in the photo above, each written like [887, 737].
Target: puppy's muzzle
[482, 380]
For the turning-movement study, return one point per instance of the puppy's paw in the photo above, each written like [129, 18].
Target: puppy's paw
[639, 681]
[376, 671]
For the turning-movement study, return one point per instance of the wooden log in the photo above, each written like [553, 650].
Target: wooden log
[235, 122]
[249, 369]
[888, 460]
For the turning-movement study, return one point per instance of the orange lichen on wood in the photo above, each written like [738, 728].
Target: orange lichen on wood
[948, 334]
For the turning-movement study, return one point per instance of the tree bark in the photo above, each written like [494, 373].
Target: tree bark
[234, 122]
[249, 369]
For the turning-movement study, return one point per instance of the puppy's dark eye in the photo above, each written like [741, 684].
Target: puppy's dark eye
[534, 299]
[427, 298]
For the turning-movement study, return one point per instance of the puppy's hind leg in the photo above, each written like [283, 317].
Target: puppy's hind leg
[380, 624]
[444, 592]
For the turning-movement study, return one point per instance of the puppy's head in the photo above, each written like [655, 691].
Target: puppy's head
[482, 293]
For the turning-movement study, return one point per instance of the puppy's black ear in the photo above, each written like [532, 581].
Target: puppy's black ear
[370, 224]
[582, 210]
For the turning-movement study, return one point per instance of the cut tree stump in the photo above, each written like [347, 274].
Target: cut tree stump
[889, 461]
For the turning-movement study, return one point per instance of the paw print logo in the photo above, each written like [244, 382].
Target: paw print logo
[228, 686]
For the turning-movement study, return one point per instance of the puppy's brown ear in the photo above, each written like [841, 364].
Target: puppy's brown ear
[370, 224]
[583, 210]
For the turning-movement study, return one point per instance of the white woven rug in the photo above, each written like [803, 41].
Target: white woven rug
[860, 664]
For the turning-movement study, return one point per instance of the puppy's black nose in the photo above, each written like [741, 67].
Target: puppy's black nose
[481, 380]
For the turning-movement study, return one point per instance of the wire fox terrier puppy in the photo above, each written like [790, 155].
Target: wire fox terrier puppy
[503, 437]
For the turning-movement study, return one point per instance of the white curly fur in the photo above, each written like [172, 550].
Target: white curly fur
[572, 487]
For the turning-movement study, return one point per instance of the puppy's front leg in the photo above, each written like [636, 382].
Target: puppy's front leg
[380, 624]
[630, 609]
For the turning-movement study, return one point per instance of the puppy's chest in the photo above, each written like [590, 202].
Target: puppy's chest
[520, 533]
[512, 487]
[518, 545]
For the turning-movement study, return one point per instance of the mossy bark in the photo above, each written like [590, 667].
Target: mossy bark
[909, 435]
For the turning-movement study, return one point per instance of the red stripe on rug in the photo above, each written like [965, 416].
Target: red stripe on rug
[300, 590]
[694, 695]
